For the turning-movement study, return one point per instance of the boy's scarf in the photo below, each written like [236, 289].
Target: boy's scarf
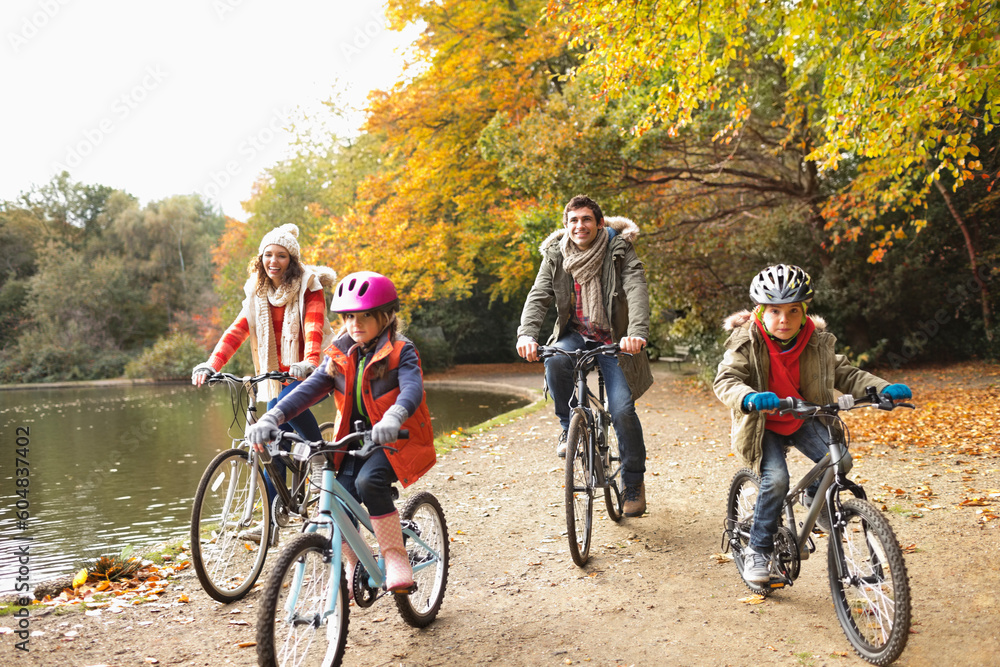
[783, 375]
[287, 295]
[585, 266]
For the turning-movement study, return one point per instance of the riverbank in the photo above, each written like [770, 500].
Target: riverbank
[653, 592]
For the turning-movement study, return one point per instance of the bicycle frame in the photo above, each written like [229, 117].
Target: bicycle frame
[280, 489]
[336, 507]
[587, 405]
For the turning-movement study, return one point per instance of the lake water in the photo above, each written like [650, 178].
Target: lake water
[118, 465]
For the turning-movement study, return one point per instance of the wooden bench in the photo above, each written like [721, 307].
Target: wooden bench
[681, 354]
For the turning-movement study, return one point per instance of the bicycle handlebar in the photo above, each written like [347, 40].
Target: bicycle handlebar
[219, 376]
[581, 357]
[305, 450]
[802, 409]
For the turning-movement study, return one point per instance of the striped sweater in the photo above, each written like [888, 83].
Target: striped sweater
[310, 346]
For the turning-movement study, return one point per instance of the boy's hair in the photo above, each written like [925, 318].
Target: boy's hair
[256, 268]
[583, 201]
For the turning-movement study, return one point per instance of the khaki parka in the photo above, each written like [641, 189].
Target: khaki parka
[623, 284]
[744, 370]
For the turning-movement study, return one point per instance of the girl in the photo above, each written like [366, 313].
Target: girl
[284, 316]
[375, 375]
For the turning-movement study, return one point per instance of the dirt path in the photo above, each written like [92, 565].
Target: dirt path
[652, 593]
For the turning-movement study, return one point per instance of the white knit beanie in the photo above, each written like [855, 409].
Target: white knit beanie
[286, 236]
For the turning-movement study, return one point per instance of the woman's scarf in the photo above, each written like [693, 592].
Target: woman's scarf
[287, 295]
[585, 266]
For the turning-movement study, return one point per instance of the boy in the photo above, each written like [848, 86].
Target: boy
[775, 352]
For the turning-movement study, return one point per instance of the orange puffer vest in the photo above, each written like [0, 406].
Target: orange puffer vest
[416, 454]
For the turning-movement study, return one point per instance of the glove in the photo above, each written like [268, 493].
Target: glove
[897, 392]
[387, 429]
[200, 373]
[765, 400]
[301, 370]
[266, 429]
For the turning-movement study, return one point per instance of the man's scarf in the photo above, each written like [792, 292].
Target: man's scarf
[585, 266]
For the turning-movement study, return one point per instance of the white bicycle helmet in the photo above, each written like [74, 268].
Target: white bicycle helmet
[781, 283]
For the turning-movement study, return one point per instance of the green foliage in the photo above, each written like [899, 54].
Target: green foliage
[91, 278]
[170, 358]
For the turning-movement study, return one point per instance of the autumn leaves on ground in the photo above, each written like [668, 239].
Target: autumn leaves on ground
[655, 590]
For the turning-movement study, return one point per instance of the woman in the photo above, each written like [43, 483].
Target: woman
[284, 316]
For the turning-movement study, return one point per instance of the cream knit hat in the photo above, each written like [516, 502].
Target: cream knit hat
[286, 236]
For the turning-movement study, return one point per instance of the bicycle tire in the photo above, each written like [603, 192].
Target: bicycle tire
[285, 636]
[226, 561]
[579, 491]
[613, 475]
[874, 606]
[421, 607]
[743, 491]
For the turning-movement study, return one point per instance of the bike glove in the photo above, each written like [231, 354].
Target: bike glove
[204, 370]
[765, 400]
[301, 370]
[387, 429]
[266, 429]
[897, 392]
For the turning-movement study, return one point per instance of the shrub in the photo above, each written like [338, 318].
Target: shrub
[170, 358]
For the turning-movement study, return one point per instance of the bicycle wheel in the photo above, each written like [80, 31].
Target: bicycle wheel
[225, 528]
[579, 491]
[613, 475]
[420, 607]
[873, 599]
[292, 625]
[743, 492]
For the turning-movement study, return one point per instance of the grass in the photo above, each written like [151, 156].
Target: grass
[445, 443]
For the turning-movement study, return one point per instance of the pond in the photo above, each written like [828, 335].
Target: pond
[118, 465]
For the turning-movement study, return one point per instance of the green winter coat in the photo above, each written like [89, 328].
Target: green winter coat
[744, 370]
[624, 289]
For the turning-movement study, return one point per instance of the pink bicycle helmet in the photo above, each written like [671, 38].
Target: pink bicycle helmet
[364, 291]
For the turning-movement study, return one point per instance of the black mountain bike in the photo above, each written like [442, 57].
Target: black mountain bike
[593, 459]
[871, 591]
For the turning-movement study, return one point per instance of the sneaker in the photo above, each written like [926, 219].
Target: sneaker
[823, 520]
[756, 566]
[635, 500]
[561, 447]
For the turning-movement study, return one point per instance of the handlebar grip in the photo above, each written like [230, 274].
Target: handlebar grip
[786, 403]
[404, 434]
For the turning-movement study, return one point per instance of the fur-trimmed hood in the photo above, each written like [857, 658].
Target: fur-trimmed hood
[738, 319]
[625, 227]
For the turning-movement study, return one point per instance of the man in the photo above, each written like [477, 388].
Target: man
[590, 269]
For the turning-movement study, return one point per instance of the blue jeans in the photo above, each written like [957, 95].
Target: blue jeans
[559, 378]
[811, 440]
[370, 482]
[305, 425]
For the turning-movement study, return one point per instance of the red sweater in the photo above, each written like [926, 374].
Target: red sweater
[309, 344]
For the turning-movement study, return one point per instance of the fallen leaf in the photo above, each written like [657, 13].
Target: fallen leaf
[753, 599]
[246, 644]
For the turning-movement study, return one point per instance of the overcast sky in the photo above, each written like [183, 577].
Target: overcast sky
[178, 96]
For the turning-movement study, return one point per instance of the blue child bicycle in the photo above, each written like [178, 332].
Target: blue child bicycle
[303, 614]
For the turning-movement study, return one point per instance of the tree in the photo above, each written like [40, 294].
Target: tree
[901, 91]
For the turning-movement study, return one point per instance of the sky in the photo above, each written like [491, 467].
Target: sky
[179, 96]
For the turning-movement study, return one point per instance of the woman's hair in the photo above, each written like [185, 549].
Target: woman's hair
[256, 268]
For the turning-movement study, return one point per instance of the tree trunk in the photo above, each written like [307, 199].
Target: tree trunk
[984, 292]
